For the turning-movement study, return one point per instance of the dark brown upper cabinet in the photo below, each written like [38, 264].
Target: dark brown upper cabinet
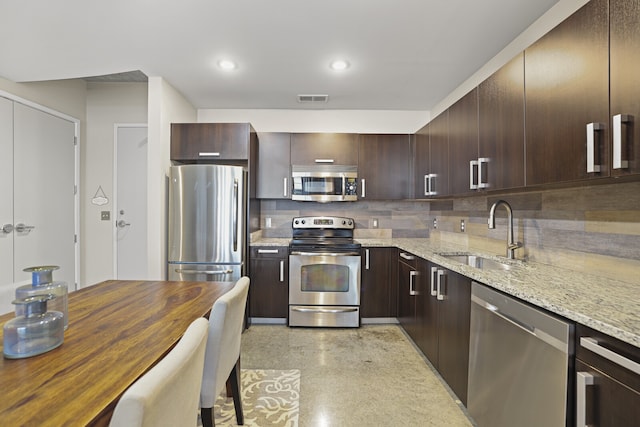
[625, 86]
[383, 166]
[211, 141]
[463, 144]
[567, 98]
[501, 128]
[438, 179]
[324, 148]
[421, 163]
[274, 175]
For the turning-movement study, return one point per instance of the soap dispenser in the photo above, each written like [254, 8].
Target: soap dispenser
[42, 284]
[36, 331]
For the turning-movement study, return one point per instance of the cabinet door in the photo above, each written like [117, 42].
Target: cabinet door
[463, 143]
[427, 311]
[324, 148]
[383, 167]
[501, 126]
[377, 291]
[421, 164]
[625, 84]
[407, 275]
[274, 161]
[210, 141]
[454, 317]
[439, 154]
[567, 87]
[269, 290]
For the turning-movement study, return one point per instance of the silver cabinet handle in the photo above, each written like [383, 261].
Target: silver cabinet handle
[324, 310]
[592, 150]
[412, 282]
[236, 213]
[363, 182]
[21, 228]
[583, 379]
[473, 172]
[187, 271]
[7, 228]
[208, 154]
[407, 256]
[366, 259]
[282, 270]
[593, 345]
[432, 184]
[483, 161]
[427, 185]
[286, 188]
[442, 276]
[267, 251]
[324, 160]
[618, 120]
[434, 280]
[122, 223]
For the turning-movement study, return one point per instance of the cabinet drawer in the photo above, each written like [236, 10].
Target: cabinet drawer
[269, 252]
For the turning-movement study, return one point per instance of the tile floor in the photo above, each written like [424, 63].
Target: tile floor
[369, 376]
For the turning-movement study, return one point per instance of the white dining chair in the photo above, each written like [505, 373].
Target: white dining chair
[222, 358]
[167, 394]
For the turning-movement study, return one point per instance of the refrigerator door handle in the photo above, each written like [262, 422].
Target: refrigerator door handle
[235, 215]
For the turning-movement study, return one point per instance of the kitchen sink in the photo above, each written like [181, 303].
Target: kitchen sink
[477, 261]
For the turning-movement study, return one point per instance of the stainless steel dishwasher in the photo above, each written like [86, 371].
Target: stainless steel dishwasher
[518, 362]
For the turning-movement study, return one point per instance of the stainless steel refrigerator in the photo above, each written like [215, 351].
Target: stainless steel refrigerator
[206, 222]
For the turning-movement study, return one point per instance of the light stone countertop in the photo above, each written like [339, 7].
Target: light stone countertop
[606, 305]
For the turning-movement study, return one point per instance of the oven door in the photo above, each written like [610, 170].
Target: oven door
[327, 279]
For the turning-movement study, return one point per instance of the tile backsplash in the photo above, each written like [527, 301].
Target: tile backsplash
[593, 229]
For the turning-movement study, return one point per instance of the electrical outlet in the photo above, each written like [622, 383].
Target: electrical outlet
[462, 227]
[374, 223]
[267, 222]
[435, 223]
[105, 215]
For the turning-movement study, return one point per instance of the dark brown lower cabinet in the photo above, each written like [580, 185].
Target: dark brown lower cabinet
[607, 388]
[407, 280]
[378, 292]
[269, 289]
[443, 310]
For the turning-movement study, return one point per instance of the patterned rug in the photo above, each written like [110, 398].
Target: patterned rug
[269, 398]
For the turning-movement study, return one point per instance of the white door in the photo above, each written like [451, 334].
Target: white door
[44, 194]
[6, 207]
[131, 202]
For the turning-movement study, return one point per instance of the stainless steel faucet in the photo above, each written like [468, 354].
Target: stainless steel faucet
[511, 244]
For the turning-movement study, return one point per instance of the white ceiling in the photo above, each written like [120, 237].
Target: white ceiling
[404, 54]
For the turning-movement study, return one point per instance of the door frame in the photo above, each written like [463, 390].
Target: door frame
[76, 173]
[116, 127]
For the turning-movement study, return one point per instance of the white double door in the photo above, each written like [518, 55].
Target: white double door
[37, 196]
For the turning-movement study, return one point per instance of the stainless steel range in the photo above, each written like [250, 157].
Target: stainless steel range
[324, 273]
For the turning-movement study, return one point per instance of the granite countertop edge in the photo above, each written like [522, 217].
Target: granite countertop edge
[606, 305]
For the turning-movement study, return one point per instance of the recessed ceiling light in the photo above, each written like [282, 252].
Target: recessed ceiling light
[339, 65]
[226, 64]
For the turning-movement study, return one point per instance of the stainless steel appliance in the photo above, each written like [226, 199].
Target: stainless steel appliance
[324, 273]
[324, 183]
[518, 363]
[206, 222]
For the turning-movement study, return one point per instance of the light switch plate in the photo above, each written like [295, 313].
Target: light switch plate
[105, 215]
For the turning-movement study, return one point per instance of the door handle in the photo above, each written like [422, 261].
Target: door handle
[7, 228]
[21, 228]
[618, 161]
[122, 224]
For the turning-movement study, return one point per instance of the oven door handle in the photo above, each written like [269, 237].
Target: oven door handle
[324, 310]
[325, 253]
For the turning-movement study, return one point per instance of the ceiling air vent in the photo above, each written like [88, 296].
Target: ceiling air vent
[307, 99]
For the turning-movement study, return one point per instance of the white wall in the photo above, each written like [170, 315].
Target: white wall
[166, 106]
[107, 104]
[359, 121]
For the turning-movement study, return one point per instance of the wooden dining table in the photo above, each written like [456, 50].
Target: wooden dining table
[117, 331]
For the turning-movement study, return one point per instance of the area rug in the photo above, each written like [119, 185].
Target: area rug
[269, 398]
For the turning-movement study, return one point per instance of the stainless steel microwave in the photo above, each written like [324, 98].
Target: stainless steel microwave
[324, 183]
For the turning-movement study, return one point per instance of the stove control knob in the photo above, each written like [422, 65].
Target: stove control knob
[350, 222]
[303, 222]
[344, 222]
[296, 222]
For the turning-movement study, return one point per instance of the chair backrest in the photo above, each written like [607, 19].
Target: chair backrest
[167, 395]
[223, 346]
